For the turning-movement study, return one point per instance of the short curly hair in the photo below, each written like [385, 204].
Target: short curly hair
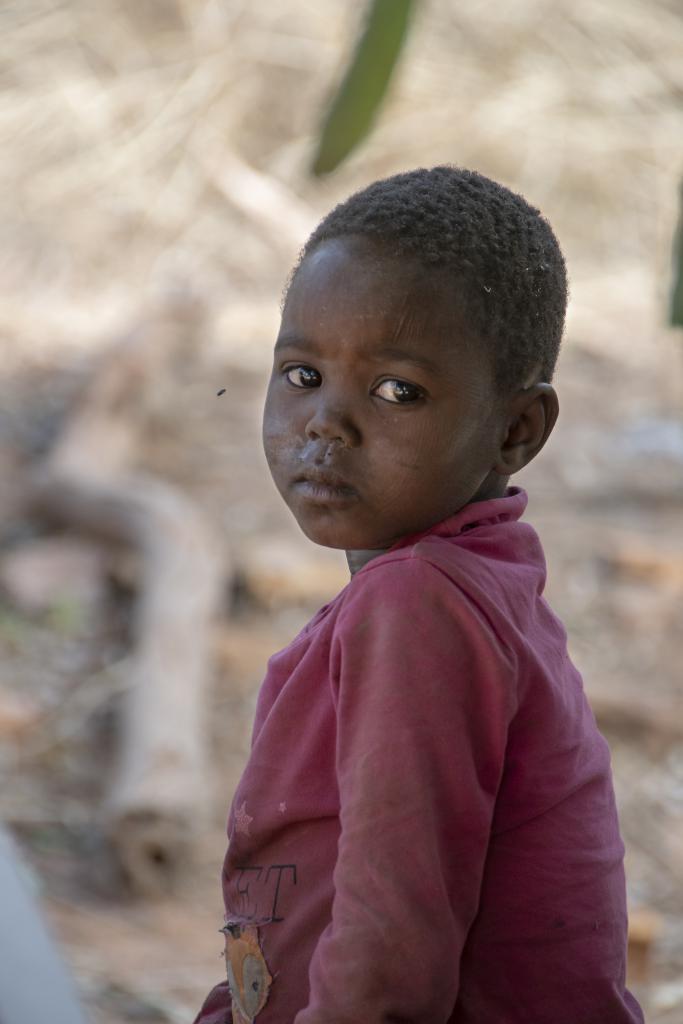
[501, 254]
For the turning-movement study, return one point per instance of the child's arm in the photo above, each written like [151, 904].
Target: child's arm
[425, 696]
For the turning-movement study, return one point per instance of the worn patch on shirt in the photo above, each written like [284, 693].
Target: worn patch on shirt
[248, 975]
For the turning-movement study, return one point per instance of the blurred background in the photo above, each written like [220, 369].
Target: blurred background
[156, 189]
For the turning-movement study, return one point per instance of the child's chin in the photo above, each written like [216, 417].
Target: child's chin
[333, 535]
[327, 538]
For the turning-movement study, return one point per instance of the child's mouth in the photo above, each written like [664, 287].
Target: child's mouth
[325, 488]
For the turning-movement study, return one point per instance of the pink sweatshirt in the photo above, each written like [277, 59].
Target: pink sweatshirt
[426, 831]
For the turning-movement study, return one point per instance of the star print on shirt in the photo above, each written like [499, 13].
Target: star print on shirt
[282, 807]
[242, 819]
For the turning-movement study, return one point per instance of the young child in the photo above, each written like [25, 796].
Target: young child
[425, 830]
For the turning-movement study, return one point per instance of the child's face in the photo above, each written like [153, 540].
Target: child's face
[380, 420]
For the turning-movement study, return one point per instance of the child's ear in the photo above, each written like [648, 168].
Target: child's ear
[532, 414]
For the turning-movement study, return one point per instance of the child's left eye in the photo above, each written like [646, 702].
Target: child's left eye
[303, 376]
[397, 391]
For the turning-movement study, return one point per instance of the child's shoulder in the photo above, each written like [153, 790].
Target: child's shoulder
[466, 564]
[486, 580]
[410, 585]
[405, 616]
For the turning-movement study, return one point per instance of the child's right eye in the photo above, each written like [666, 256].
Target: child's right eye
[303, 377]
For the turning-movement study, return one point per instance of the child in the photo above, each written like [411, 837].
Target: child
[425, 830]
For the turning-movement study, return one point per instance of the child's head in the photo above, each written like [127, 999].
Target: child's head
[412, 372]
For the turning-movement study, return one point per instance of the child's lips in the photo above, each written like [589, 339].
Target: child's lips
[325, 488]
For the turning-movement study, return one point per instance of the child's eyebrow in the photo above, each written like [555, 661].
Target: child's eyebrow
[388, 352]
[294, 341]
[401, 356]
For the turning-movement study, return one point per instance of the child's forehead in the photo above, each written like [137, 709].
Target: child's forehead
[366, 280]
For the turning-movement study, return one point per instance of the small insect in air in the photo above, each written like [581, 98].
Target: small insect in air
[221, 392]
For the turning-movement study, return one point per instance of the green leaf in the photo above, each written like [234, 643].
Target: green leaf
[677, 290]
[362, 90]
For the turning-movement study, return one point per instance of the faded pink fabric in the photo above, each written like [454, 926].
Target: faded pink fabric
[426, 831]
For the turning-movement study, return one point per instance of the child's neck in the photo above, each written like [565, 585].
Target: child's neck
[357, 559]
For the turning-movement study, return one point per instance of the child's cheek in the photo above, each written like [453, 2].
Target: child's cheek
[277, 428]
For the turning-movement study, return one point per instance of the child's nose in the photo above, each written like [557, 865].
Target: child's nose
[330, 422]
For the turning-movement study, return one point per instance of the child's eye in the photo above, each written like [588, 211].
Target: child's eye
[397, 391]
[303, 377]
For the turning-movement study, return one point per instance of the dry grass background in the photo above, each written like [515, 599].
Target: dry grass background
[129, 131]
[162, 146]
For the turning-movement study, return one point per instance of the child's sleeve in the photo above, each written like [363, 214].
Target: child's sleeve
[425, 693]
[217, 1007]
